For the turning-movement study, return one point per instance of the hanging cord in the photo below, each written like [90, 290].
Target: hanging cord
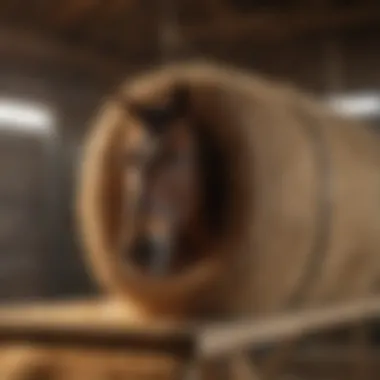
[168, 30]
[171, 44]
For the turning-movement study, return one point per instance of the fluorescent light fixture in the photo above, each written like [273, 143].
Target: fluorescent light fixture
[357, 105]
[23, 116]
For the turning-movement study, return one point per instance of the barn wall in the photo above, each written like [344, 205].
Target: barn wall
[39, 255]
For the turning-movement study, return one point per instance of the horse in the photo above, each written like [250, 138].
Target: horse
[174, 185]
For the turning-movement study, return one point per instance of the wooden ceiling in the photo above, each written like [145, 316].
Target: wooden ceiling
[115, 34]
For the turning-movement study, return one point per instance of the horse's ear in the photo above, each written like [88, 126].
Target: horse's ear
[157, 117]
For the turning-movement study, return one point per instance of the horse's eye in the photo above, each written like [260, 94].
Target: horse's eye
[155, 119]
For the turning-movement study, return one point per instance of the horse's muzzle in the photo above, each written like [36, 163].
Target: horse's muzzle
[151, 254]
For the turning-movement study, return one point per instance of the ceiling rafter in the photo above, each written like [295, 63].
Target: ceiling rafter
[127, 29]
[34, 47]
[219, 8]
[71, 13]
[112, 18]
[270, 26]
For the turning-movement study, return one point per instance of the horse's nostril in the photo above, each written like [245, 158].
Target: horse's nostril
[142, 252]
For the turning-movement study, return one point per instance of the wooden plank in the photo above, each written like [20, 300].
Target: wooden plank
[220, 339]
[113, 325]
[92, 324]
[86, 314]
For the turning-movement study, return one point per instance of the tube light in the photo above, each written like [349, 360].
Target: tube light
[357, 105]
[22, 116]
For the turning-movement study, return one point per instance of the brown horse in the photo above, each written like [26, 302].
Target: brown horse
[173, 176]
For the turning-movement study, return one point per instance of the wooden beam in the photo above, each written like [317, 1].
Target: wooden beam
[129, 35]
[269, 26]
[314, 4]
[28, 47]
[112, 326]
[218, 8]
[103, 26]
[92, 324]
[223, 339]
[71, 13]
[8, 9]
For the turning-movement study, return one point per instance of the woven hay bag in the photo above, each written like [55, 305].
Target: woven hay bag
[303, 213]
